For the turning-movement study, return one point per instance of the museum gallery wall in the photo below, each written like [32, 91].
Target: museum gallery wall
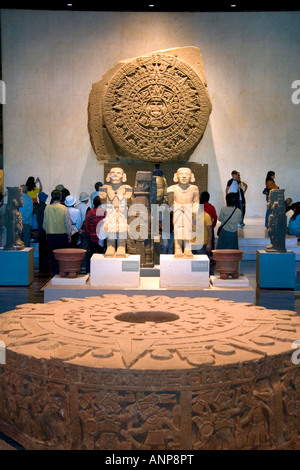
[51, 59]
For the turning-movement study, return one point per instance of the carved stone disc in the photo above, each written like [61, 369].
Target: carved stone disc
[154, 373]
[156, 108]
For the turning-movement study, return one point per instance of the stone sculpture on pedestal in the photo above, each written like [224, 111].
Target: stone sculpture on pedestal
[144, 194]
[161, 185]
[13, 219]
[184, 198]
[277, 221]
[115, 194]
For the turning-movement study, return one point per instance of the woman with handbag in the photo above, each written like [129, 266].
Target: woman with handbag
[230, 218]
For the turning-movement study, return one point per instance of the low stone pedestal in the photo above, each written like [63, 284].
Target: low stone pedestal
[149, 286]
[16, 267]
[242, 281]
[80, 280]
[115, 272]
[184, 272]
[275, 270]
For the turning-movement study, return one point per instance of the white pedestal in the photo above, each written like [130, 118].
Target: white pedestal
[115, 272]
[184, 272]
[17, 267]
[80, 280]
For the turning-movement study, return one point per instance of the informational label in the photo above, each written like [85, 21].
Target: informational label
[199, 266]
[130, 266]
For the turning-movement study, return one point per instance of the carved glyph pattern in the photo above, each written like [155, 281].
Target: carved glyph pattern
[133, 332]
[138, 372]
[156, 108]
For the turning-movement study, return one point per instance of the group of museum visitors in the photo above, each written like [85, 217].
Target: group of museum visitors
[67, 223]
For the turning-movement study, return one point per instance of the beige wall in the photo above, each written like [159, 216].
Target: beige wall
[51, 59]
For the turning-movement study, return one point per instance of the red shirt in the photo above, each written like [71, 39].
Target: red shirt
[210, 209]
[92, 219]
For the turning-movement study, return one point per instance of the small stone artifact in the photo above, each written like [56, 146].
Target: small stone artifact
[153, 108]
[69, 260]
[228, 262]
[115, 194]
[277, 221]
[13, 219]
[184, 198]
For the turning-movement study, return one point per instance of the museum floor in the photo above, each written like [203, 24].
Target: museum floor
[10, 297]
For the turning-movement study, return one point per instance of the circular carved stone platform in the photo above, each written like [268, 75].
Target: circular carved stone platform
[118, 372]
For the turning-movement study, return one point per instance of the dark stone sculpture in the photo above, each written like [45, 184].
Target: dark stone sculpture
[13, 219]
[144, 194]
[277, 221]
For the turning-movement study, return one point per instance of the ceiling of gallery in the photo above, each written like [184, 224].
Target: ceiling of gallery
[155, 5]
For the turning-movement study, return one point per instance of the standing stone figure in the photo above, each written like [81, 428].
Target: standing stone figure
[184, 197]
[115, 195]
[161, 185]
[13, 219]
[139, 240]
[277, 221]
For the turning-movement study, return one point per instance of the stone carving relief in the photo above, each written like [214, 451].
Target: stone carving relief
[153, 108]
[144, 194]
[184, 198]
[115, 194]
[150, 373]
[277, 221]
[13, 219]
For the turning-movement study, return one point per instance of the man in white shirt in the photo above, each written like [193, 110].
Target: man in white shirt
[76, 220]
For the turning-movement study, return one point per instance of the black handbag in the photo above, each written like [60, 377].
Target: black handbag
[266, 191]
[222, 225]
